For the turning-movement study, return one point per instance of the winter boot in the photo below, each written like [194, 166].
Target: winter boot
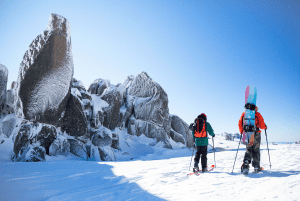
[204, 170]
[196, 167]
[245, 168]
[258, 169]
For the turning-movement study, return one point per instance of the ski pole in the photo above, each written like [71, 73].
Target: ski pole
[192, 158]
[214, 152]
[236, 153]
[268, 147]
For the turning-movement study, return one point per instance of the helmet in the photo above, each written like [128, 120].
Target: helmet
[202, 116]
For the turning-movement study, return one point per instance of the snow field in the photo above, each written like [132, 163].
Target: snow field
[155, 174]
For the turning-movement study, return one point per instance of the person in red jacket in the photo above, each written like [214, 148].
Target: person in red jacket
[253, 151]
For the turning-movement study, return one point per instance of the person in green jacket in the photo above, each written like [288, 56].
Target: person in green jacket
[201, 127]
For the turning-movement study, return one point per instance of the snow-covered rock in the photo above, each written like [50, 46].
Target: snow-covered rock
[35, 153]
[32, 135]
[78, 148]
[150, 100]
[147, 107]
[112, 112]
[74, 121]
[101, 137]
[107, 115]
[8, 124]
[115, 141]
[45, 74]
[181, 127]
[177, 137]
[3, 86]
[106, 153]
[60, 146]
[99, 86]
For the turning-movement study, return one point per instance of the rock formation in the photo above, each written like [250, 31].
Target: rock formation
[180, 127]
[3, 85]
[45, 74]
[56, 115]
[33, 140]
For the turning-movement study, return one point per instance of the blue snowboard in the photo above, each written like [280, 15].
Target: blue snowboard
[249, 118]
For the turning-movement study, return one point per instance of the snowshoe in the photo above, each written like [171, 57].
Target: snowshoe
[195, 169]
[245, 168]
[257, 169]
[204, 170]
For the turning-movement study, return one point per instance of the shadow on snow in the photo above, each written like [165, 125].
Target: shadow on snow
[269, 173]
[68, 181]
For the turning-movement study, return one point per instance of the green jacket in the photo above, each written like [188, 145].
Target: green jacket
[204, 140]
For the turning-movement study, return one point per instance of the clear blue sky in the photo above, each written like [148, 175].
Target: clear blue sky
[203, 53]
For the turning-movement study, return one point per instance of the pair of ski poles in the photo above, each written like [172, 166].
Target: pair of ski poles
[239, 147]
[214, 154]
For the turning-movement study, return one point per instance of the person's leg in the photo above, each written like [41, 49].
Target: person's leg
[197, 156]
[256, 150]
[249, 154]
[204, 157]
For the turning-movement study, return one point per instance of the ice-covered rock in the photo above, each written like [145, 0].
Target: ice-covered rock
[182, 128]
[8, 124]
[32, 153]
[101, 136]
[32, 135]
[107, 115]
[150, 100]
[74, 121]
[139, 127]
[106, 153]
[99, 86]
[177, 137]
[111, 113]
[45, 74]
[60, 146]
[115, 141]
[3, 86]
[147, 107]
[78, 148]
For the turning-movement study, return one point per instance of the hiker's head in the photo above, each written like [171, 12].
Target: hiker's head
[202, 116]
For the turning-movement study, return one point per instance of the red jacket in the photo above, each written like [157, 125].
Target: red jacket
[259, 122]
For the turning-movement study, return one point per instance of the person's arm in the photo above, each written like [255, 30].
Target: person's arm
[193, 132]
[209, 129]
[241, 123]
[262, 124]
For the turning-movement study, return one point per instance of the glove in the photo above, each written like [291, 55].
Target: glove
[214, 136]
[266, 127]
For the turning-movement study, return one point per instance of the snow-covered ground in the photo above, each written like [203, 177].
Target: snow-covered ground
[145, 172]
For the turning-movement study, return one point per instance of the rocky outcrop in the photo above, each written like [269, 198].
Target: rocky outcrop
[99, 86]
[45, 74]
[78, 148]
[181, 128]
[111, 113]
[3, 86]
[62, 117]
[101, 137]
[8, 124]
[147, 108]
[150, 100]
[33, 141]
[60, 146]
[74, 121]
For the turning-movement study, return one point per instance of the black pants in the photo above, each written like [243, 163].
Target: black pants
[201, 150]
[253, 151]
